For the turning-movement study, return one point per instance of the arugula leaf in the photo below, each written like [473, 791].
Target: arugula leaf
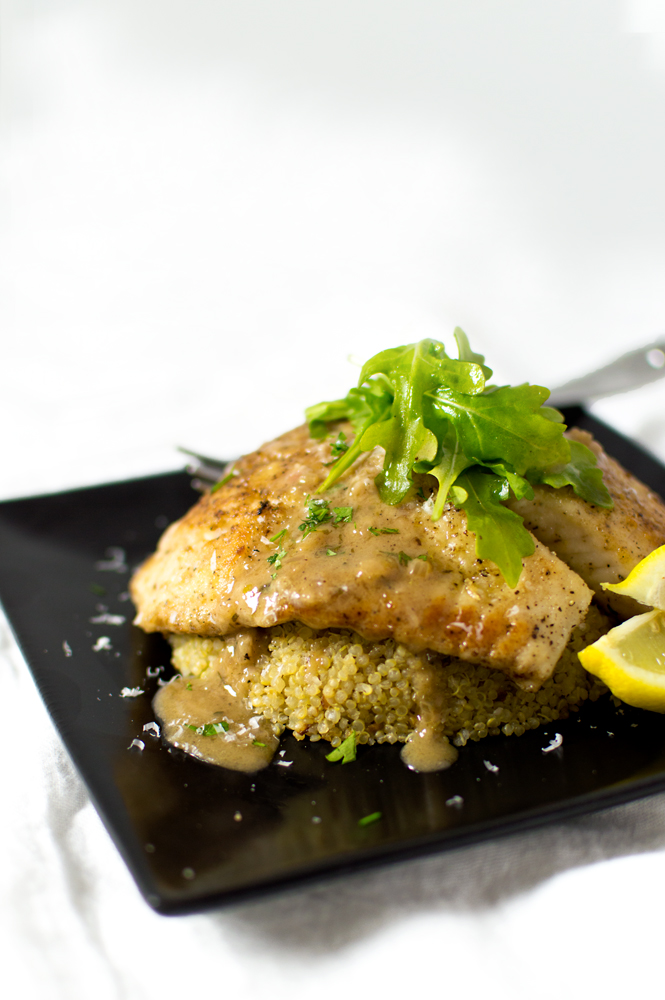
[464, 352]
[321, 414]
[503, 425]
[364, 407]
[500, 533]
[413, 371]
[581, 472]
[449, 464]
[520, 486]
[436, 415]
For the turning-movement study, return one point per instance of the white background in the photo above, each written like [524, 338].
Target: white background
[207, 206]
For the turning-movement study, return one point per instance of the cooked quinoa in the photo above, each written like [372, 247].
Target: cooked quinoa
[324, 685]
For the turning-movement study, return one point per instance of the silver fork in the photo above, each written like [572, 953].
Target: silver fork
[206, 470]
[630, 371]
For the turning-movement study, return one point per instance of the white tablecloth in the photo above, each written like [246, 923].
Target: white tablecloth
[207, 208]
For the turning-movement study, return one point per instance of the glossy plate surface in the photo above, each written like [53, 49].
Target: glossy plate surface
[196, 836]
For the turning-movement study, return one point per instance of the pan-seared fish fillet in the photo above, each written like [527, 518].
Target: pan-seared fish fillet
[385, 572]
[600, 545]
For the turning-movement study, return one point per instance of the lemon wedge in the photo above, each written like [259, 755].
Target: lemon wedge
[645, 583]
[630, 659]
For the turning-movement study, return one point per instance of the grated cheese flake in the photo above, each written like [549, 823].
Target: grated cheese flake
[128, 692]
[554, 744]
[107, 619]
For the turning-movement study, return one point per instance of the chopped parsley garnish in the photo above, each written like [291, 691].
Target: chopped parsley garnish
[339, 446]
[346, 751]
[372, 818]
[330, 552]
[189, 685]
[437, 415]
[318, 513]
[280, 534]
[97, 589]
[257, 743]
[384, 531]
[210, 728]
[276, 558]
[224, 480]
[403, 558]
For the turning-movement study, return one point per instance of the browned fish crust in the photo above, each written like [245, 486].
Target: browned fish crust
[409, 578]
[601, 545]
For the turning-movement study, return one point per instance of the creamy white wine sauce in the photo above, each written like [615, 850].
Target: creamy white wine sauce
[428, 751]
[244, 741]
[210, 716]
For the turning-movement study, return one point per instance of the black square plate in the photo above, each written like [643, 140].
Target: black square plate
[196, 836]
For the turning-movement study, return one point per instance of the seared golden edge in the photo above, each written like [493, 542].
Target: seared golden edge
[210, 575]
[600, 545]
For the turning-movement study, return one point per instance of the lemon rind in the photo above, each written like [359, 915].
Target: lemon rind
[645, 583]
[631, 684]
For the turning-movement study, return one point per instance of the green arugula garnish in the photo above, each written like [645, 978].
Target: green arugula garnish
[210, 728]
[436, 415]
[580, 472]
[346, 751]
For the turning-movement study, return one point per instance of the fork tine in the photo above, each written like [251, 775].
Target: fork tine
[210, 470]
